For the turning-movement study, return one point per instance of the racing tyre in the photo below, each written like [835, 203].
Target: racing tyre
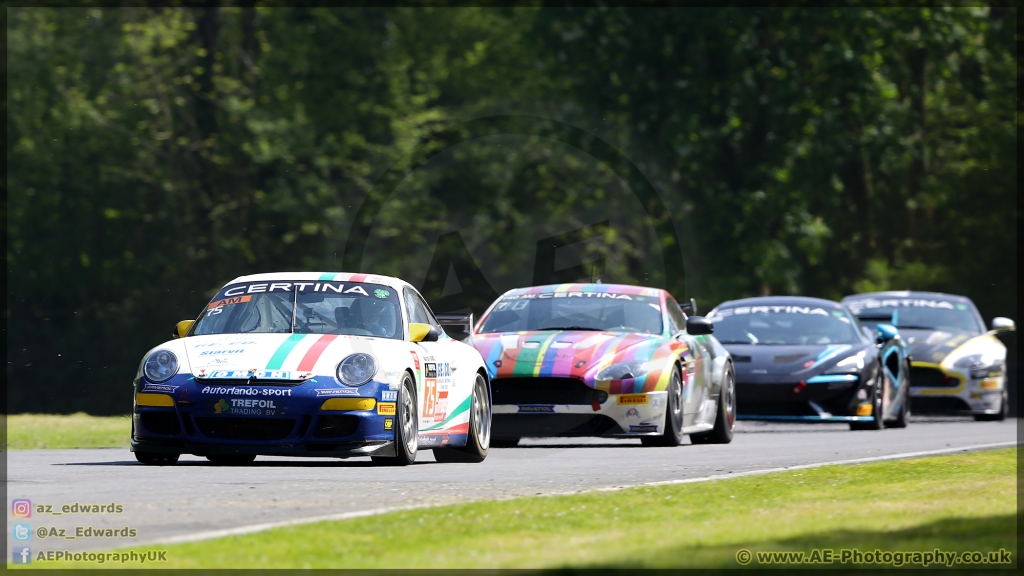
[479, 440]
[505, 442]
[407, 431]
[153, 459]
[673, 435]
[904, 414]
[1004, 407]
[876, 410]
[232, 459]
[725, 421]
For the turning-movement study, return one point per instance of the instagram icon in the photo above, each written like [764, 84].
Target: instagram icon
[21, 508]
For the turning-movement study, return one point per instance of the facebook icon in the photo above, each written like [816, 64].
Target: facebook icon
[21, 555]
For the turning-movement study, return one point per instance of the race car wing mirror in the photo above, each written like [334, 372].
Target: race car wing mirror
[690, 308]
[462, 321]
[697, 325]
[885, 332]
[422, 332]
[182, 328]
[1000, 324]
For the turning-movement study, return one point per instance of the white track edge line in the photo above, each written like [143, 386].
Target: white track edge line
[253, 528]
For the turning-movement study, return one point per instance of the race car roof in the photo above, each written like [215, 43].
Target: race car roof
[323, 277]
[586, 287]
[780, 301]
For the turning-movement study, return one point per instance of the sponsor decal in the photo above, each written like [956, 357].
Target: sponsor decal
[264, 287]
[536, 409]
[381, 293]
[722, 313]
[246, 374]
[221, 352]
[545, 296]
[857, 305]
[627, 399]
[228, 302]
[246, 391]
[656, 401]
[415, 360]
[632, 413]
[976, 394]
[159, 388]
[990, 384]
[387, 408]
[391, 395]
[643, 428]
[337, 392]
[434, 440]
[245, 406]
[389, 423]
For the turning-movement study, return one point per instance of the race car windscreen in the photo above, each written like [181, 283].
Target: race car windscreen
[602, 311]
[917, 314]
[355, 309]
[783, 325]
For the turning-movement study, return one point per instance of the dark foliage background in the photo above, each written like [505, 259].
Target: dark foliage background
[154, 154]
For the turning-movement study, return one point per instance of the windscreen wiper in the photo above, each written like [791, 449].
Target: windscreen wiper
[572, 328]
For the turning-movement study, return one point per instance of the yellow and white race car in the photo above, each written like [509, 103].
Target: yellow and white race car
[957, 366]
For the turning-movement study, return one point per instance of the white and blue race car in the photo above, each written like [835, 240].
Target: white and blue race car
[312, 364]
[957, 366]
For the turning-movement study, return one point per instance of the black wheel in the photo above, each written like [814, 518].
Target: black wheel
[231, 459]
[479, 440]
[876, 409]
[505, 442]
[673, 435]
[725, 421]
[407, 430]
[154, 459]
[1004, 408]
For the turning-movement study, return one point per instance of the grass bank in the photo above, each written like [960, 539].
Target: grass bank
[36, 431]
[957, 503]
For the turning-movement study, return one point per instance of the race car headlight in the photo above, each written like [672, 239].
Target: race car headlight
[849, 365]
[160, 366]
[980, 365]
[623, 370]
[357, 369]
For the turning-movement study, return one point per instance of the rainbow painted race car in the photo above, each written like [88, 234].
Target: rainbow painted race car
[958, 367]
[312, 364]
[604, 360]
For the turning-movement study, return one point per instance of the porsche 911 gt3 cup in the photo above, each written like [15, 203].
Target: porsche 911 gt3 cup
[604, 360]
[957, 366]
[312, 364]
[807, 359]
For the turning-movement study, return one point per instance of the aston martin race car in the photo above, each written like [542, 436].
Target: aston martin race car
[604, 360]
[807, 359]
[957, 366]
[312, 364]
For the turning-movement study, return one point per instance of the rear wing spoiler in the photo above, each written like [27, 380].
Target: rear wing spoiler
[463, 321]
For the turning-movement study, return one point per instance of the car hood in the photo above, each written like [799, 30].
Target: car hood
[565, 353]
[799, 362]
[277, 356]
[933, 345]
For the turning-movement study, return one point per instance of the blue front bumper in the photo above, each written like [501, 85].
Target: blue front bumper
[211, 417]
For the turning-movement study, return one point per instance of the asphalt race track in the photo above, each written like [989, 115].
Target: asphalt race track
[195, 499]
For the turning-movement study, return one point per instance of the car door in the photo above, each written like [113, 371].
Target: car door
[698, 368]
[438, 394]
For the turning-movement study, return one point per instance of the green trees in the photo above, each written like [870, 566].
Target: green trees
[155, 154]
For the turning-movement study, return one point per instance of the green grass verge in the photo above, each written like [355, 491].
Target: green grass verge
[35, 431]
[956, 503]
